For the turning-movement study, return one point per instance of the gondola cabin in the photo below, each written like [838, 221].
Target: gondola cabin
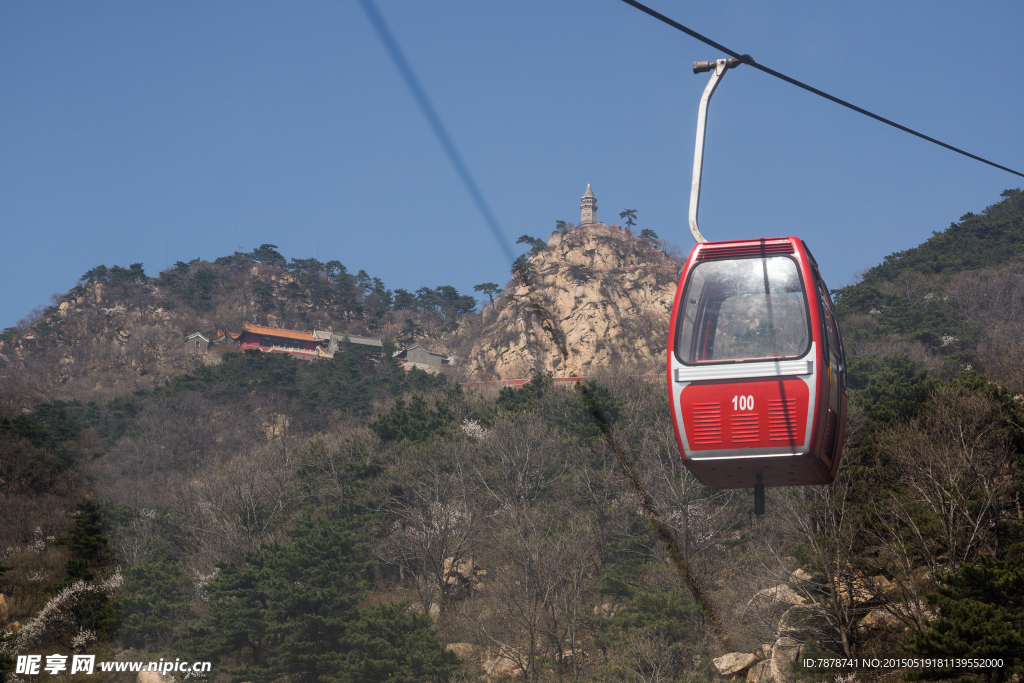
[756, 372]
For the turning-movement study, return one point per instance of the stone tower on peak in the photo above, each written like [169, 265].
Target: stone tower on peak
[588, 209]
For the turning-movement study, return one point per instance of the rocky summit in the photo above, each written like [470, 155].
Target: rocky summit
[593, 298]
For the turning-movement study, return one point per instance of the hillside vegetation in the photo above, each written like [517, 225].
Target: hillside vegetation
[953, 303]
[347, 521]
[119, 331]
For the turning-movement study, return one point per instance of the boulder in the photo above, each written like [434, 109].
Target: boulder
[785, 652]
[500, 667]
[417, 608]
[734, 662]
[464, 650]
[800, 575]
[760, 673]
[882, 584]
[152, 677]
[464, 567]
[781, 594]
[607, 607]
[4, 609]
[878, 619]
[862, 589]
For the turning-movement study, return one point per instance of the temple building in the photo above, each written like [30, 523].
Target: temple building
[305, 345]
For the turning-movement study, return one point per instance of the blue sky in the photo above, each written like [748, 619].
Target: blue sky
[168, 131]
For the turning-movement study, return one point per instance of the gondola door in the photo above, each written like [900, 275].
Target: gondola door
[833, 387]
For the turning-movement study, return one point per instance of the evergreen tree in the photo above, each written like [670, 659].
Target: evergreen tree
[453, 304]
[894, 388]
[427, 299]
[409, 331]
[488, 288]
[364, 281]
[404, 300]
[522, 268]
[981, 616]
[294, 609]
[522, 400]
[155, 602]
[267, 253]
[414, 422]
[537, 245]
[87, 535]
[200, 288]
[593, 409]
[97, 274]
[630, 217]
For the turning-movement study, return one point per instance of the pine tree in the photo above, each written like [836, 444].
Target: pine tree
[981, 616]
[155, 601]
[294, 609]
[87, 535]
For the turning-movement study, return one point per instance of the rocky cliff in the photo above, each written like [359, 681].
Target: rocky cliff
[593, 299]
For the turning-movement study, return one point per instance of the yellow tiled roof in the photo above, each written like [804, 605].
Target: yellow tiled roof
[277, 332]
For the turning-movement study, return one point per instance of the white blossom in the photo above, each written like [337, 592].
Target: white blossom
[38, 543]
[202, 581]
[473, 428]
[58, 611]
[83, 638]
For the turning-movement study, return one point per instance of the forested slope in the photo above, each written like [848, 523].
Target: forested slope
[119, 331]
[955, 302]
[347, 521]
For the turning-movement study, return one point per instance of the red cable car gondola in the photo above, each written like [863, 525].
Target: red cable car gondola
[756, 370]
[757, 379]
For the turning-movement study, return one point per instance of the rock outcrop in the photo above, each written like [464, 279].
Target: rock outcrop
[734, 662]
[593, 299]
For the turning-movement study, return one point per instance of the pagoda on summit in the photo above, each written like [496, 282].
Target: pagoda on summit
[588, 215]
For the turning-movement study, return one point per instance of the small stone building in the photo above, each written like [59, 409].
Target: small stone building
[419, 354]
[197, 342]
[337, 339]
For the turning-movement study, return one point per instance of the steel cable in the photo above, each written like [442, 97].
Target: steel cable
[550, 327]
[747, 59]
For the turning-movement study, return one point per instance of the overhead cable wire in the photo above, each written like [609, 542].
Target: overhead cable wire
[747, 59]
[522, 273]
[420, 95]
